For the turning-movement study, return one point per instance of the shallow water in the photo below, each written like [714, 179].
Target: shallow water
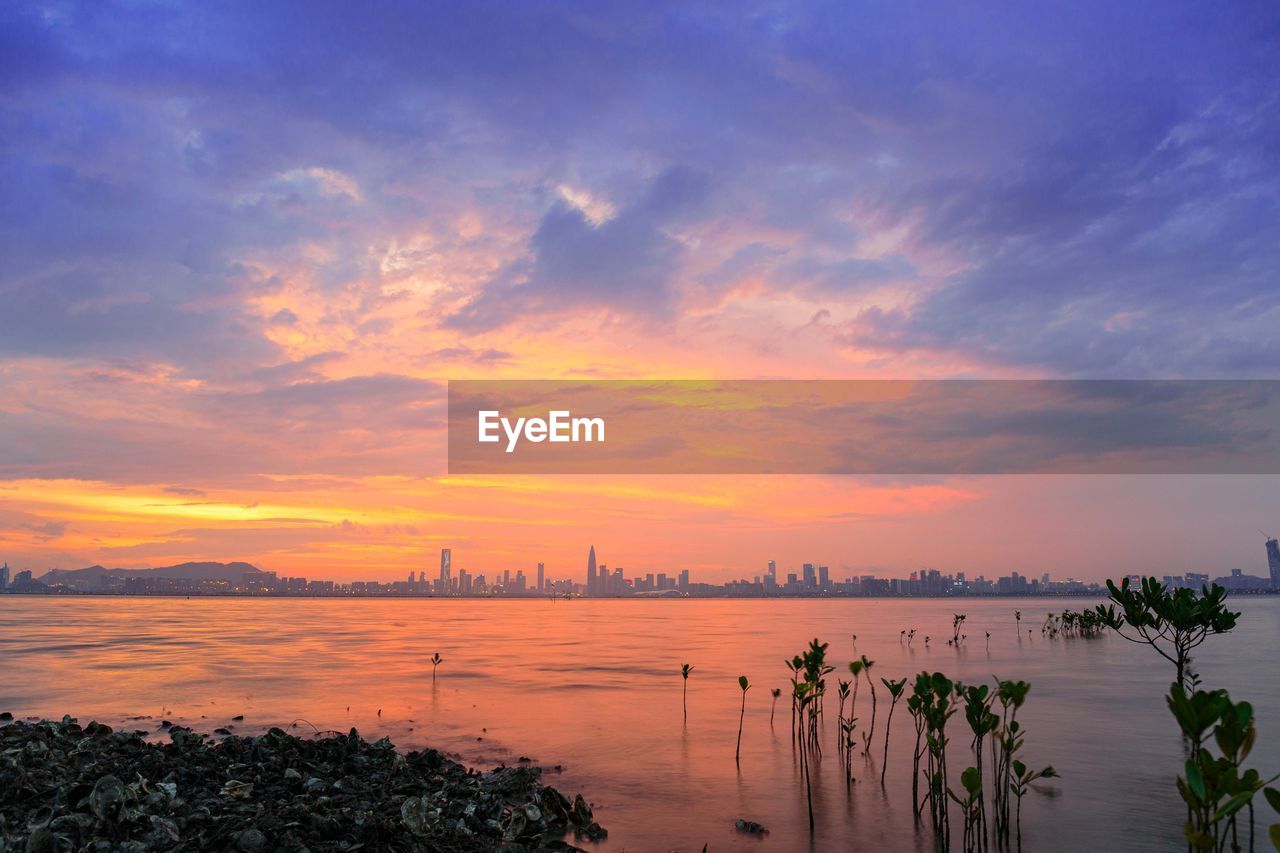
[594, 686]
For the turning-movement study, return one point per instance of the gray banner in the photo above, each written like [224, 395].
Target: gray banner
[935, 427]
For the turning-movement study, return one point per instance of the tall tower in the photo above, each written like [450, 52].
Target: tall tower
[1273, 562]
[446, 568]
[591, 569]
[542, 574]
[4, 576]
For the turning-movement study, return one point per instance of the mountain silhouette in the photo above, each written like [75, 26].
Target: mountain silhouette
[91, 577]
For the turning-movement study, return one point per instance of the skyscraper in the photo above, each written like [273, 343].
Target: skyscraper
[446, 568]
[591, 570]
[1273, 562]
[542, 574]
[772, 573]
[4, 575]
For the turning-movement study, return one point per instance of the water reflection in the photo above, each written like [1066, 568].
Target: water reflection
[595, 687]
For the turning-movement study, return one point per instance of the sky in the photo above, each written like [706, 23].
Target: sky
[244, 247]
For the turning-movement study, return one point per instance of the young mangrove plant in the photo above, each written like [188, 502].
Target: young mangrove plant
[982, 722]
[957, 620]
[1217, 788]
[1022, 779]
[933, 707]
[921, 692]
[436, 660]
[1173, 623]
[802, 699]
[842, 693]
[855, 668]
[1004, 747]
[775, 692]
[814, 669]
[745, 685]
[847, 743]
[895, 689]
[971, 809]
[685, 669]
[866, 738]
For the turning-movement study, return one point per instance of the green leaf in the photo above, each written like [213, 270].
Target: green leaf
[742, 682]
[971, 780]
[1273, 797]
[1233, 805]
[1275, 835]
[1195, 781]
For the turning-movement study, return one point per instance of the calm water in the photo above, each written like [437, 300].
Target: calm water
[594, 686]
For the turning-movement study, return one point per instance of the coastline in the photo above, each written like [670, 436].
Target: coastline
[66, 786]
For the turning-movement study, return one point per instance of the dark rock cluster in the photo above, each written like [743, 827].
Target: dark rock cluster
[65, 787]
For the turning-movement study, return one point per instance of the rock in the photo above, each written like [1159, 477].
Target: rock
[106, 797]
[414, 814]
[236, 789]
[251, 841]
[272, 792]
[749, 826]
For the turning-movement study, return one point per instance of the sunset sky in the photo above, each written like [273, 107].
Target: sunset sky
[242, 250]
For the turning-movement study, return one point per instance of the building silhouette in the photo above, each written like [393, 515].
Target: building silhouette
[1273, 562]
[446, 569]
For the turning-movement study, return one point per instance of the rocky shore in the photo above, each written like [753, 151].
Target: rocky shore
[67, 787]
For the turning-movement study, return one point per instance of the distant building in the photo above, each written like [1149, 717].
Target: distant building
[1273, 562]
[591, 570]
[4, 576]
[542, 576]
[446, 568]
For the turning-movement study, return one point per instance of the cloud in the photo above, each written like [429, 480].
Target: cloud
[628, 262]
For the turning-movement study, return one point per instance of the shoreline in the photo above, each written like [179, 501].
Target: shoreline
[64, 786]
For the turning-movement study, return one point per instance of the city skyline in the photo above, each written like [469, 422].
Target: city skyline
[599, 581]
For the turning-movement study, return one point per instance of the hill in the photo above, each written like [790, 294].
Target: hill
[91, 577]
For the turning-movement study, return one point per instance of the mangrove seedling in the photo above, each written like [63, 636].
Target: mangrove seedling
[1007, 741]
[855, 668]
[957, 619]
[745, 685]
[685, 669]
[1172, 623]
[866, 738]
[895, 689]
[1216, 789]
[982, 722]
[936, 708]
[1022, 779]
[971, 808]
[847, 743]
[802, 698]
[776, 692]
[436, 660]
[842, 693]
